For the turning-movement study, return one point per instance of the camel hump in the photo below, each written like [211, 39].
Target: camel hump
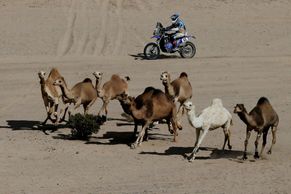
[149, 89]
[86, 80]
[183, 74]
[263, 100]
[54, 72]
[115, 77]
[158, 92]
[217, 102]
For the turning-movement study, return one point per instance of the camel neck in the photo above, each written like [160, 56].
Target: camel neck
[192, 118]
[42, 82]
[169, 89]
[66, 92]
[98, 83]
[192, 113]
[246, 118]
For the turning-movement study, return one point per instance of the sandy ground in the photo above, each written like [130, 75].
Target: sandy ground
[243, 53]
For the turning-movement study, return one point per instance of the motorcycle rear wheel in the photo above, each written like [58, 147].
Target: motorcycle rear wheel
[188, 50]
[151, 51]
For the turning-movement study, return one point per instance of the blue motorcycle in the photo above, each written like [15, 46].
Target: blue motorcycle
[165, 44]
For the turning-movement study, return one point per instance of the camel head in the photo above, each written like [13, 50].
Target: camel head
[41, 74]
[59, 82]
[98, 74]
[165, 76]
[239, 108]
[188, 105]
[125, 98]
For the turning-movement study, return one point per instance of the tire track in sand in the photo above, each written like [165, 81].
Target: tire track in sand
[119, 36]
[82, 43]
[65, 44]
[101, 39]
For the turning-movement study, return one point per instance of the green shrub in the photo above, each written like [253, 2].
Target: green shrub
[82, 126]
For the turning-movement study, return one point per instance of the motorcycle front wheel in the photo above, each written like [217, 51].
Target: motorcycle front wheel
[151, 51]
[188, 50]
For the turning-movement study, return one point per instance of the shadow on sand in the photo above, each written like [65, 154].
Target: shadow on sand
[184, 151]
[140, 56]
[17, 125]
[114, 138]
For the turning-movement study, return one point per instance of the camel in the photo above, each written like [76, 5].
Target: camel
[211, 118]
[260, 119]
[180, 90]
[111, 89]
[157, 107]
[50, 94]
[83, 93]
[140, 100]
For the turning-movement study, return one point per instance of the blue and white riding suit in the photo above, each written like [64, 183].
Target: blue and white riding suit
[177, 29]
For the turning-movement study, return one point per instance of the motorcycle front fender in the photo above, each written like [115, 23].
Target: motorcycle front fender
[157, 37]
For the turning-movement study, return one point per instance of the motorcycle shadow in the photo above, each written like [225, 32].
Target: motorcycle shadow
[140, 56]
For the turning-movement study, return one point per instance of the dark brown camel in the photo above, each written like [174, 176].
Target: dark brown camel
[260, 119]
[152, 105]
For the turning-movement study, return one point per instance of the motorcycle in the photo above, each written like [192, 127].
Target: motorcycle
[164, 43]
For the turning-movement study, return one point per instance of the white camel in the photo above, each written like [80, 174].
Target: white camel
[212, 117]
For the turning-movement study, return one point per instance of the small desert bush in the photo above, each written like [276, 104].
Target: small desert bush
[82, 126]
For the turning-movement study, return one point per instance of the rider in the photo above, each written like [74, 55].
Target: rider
[177, 29]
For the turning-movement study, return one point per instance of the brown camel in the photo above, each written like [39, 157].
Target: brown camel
[159, 106]
[51, 94]
[83, 93]
[260, 119]
[111, 89]
[180, 90]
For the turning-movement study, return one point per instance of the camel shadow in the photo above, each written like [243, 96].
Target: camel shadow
[140, 56]
[17, 125]
[184, 151]
[112, 138]
[126, 138]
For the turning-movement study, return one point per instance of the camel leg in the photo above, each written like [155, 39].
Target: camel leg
[197, 137]
[47, 118]
[248, 135]
[89, 105]
[56, 113]
[140, 136]
[274, 130]
[134, 130]
[195, 150]
[174, 124]
[77, 104]
[169, 126]
[265, 133]
[256, 156]
[50, 109]
[105, 102]
[228, 142]
[179, 116]
[65, 112]
[226, 136]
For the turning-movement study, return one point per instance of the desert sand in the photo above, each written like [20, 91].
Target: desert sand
[243, 53]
